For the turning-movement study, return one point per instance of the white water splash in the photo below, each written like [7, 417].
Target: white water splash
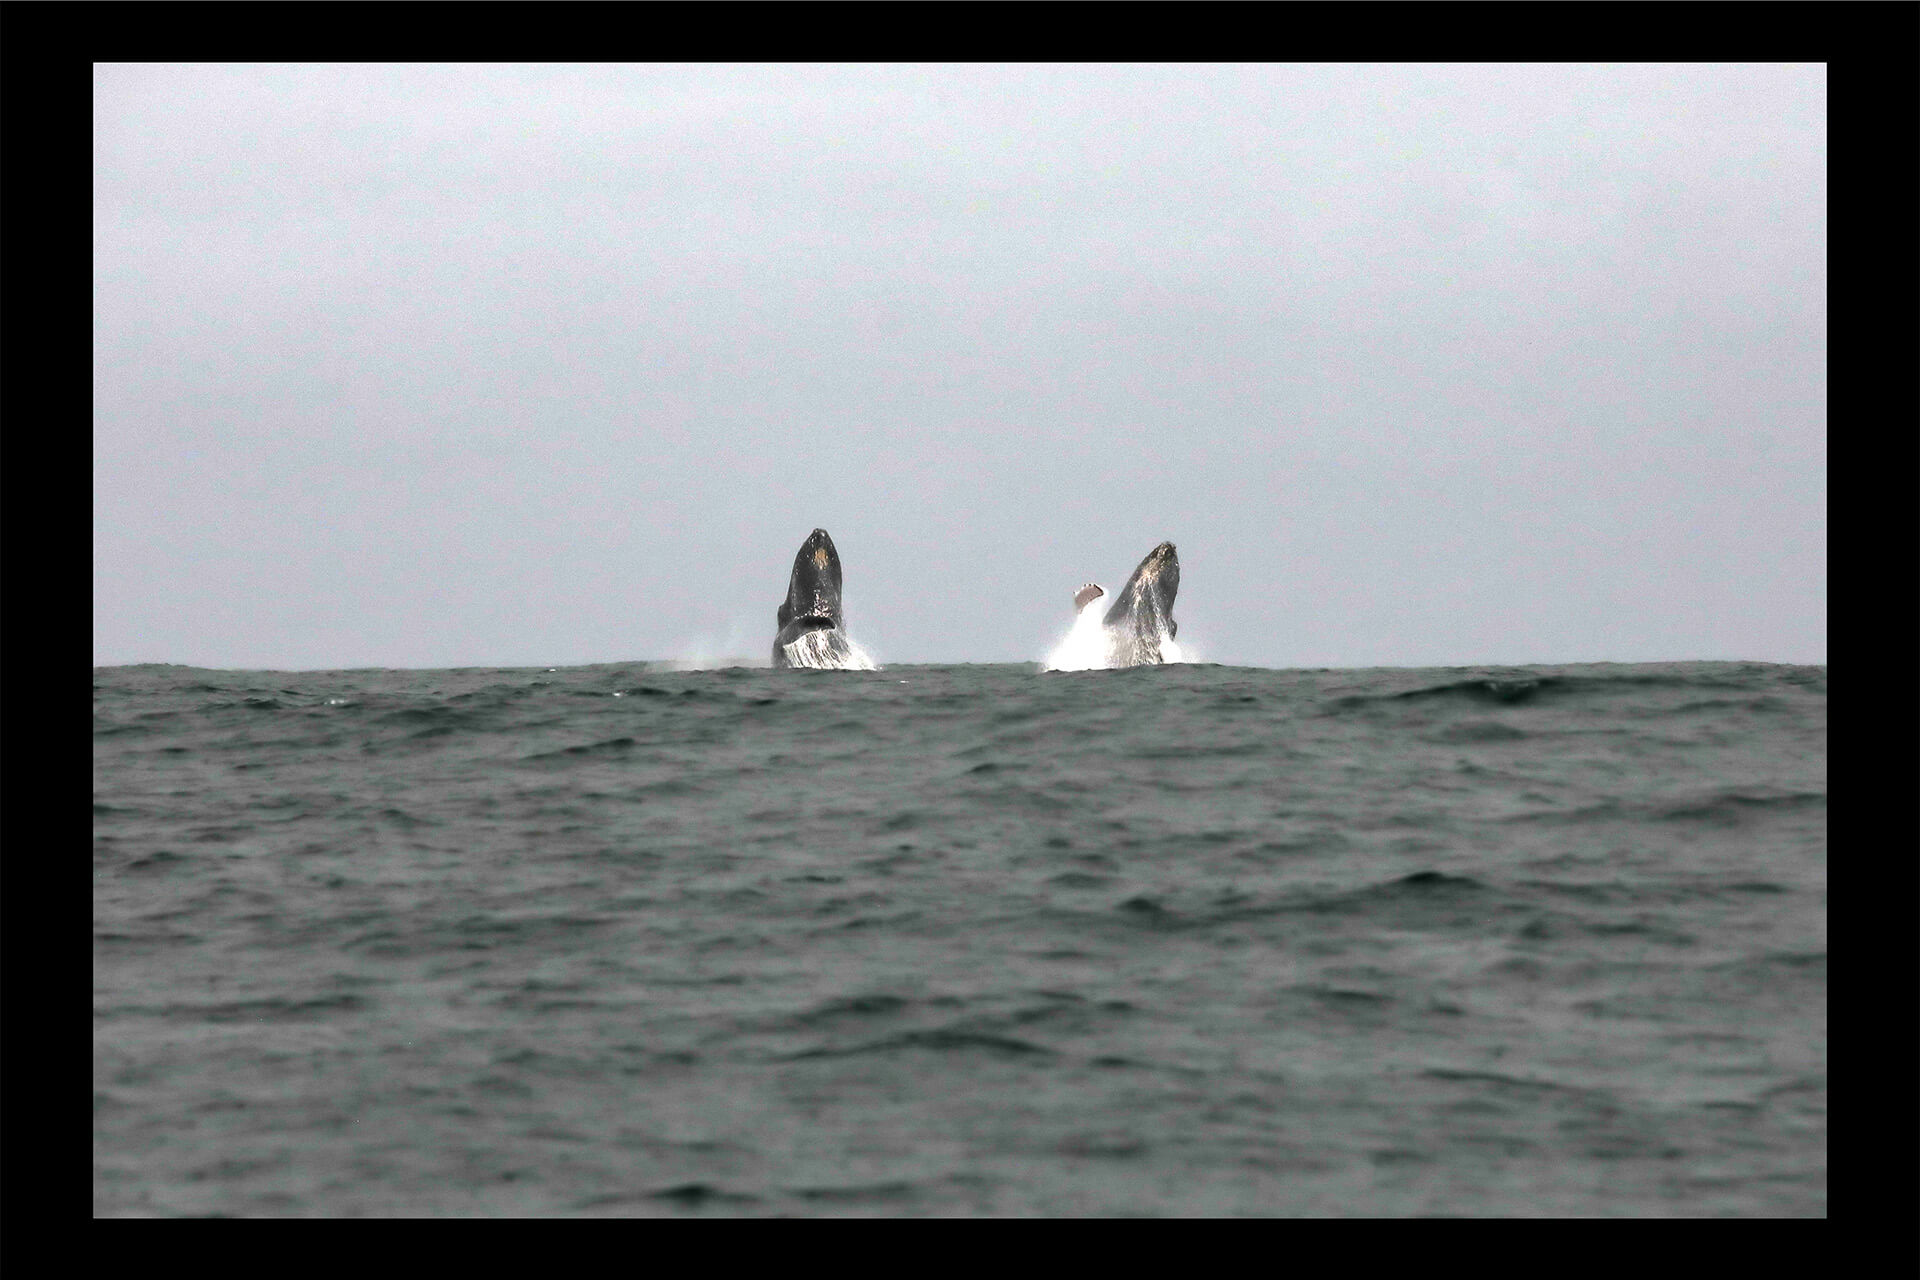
[829, 650]
[1085, 647]
[1088, 646]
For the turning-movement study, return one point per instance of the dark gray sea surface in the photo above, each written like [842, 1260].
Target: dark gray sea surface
[961, 940]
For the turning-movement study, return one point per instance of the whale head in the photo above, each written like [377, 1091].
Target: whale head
[1146, 602]
[813, 589]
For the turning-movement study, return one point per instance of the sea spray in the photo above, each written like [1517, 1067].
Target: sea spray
[828, 649]
[702, 653]
[1090, 646]
[1086, 646]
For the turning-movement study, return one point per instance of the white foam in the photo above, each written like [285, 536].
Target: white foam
[816, 650]
[1086, 646]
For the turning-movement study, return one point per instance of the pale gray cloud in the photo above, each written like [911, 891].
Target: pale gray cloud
[1417, 364]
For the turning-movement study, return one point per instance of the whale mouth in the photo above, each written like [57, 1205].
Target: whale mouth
[810, 622]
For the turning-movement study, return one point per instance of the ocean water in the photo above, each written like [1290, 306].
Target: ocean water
[961, 940]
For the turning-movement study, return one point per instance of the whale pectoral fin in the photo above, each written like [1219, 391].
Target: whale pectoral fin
[1091, 591]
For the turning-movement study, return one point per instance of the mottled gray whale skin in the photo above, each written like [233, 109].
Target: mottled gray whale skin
[1141, 619]
[812, 627]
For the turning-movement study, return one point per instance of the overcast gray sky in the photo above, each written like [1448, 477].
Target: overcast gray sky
[501, 365]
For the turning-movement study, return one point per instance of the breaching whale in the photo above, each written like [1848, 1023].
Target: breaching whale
[1140, 626]
[1137, 628]
[812, 626]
